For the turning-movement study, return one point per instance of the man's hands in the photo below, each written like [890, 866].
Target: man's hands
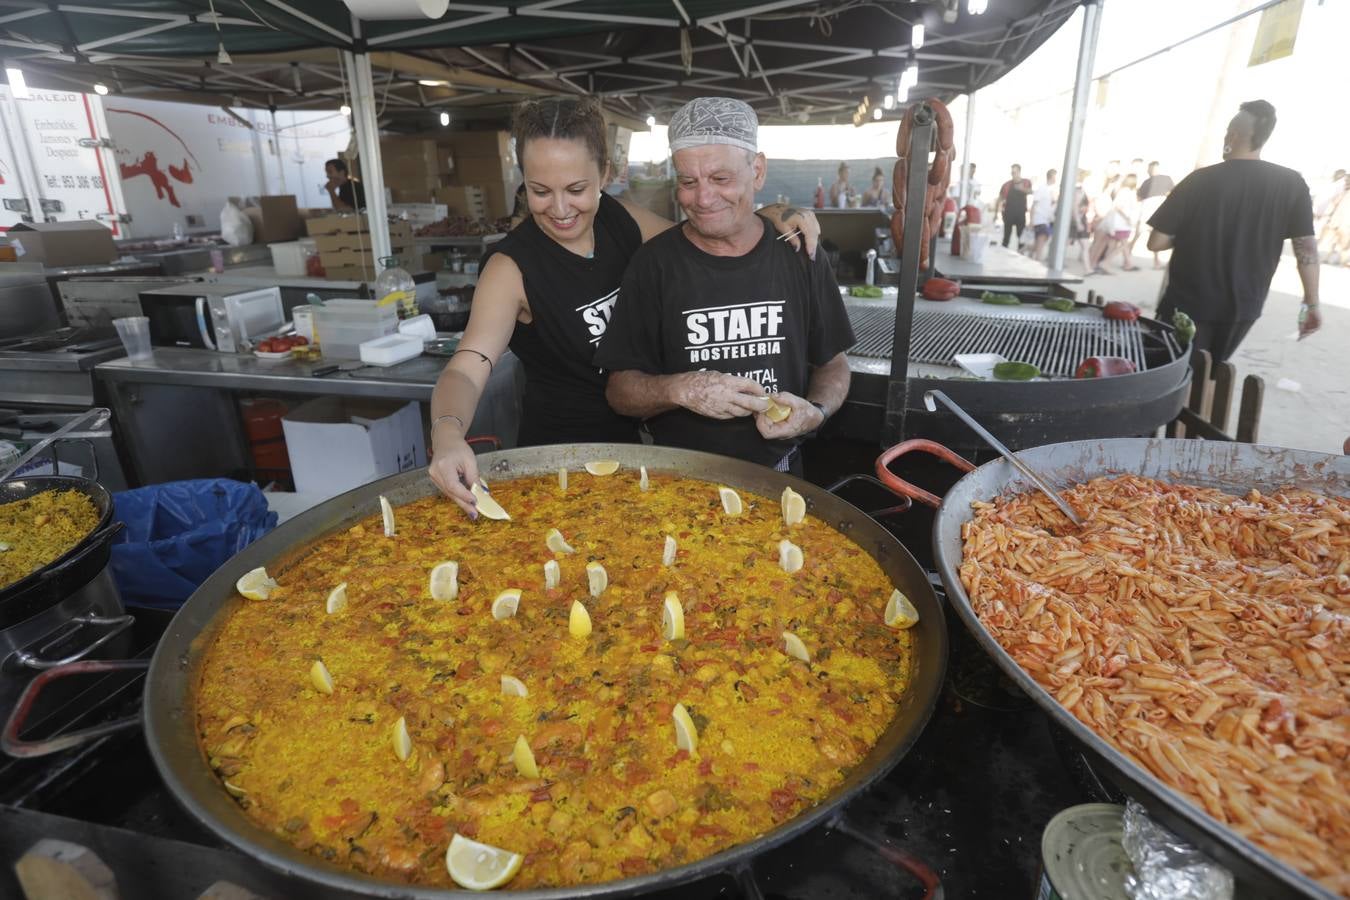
[804, 417]
[453, 466]
[718, 395]
[1309, 320]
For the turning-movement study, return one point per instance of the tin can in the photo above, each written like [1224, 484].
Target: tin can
[303, 318]
[217, 261]
[1081, 854]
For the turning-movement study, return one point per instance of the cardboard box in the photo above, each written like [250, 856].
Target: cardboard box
[57, 244]
[464, 200]
[275, 218]
[480, 144]
[337, 444]
[348, 273]
[419, 214]
[351, 224]
[476, 170]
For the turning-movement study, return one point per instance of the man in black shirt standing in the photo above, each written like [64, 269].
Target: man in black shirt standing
[345, 191]
[1012, 203]
[715, 317]
[1225, 226]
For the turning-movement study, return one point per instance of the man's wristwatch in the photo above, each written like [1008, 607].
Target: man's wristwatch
[820, 406]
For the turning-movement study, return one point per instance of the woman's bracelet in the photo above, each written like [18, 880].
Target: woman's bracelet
[471, 350]
[439, 419]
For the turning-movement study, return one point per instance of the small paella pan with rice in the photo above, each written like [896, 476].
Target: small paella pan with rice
[610, 674]
[40, 529]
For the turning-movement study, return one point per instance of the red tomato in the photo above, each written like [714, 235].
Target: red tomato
[299, 340]
[265, 346]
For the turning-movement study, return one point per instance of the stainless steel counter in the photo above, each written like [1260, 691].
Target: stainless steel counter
[179, 417]
[1000, 265]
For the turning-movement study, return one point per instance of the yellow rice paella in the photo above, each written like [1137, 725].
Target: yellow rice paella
[673, 671]
[41, 529]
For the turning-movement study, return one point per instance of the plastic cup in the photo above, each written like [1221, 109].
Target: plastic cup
[135, 334]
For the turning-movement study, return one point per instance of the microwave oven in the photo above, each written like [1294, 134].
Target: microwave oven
[223, 317]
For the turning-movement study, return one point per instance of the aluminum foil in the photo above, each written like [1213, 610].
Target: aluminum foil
[1165, 866]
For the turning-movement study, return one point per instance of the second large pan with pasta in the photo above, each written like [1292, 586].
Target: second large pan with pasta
[1231, 467]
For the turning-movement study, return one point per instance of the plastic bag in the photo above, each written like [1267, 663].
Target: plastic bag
[179, 533]
[235, 227]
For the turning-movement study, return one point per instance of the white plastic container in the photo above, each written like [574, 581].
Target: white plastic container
[288, 257]
[391, 350]
[342, 326]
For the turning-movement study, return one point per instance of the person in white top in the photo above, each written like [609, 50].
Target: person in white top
[1043, 201]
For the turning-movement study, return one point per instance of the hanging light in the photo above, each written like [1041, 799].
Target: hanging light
[911, 76]
[222, 57]
[876, 113]
[101, 89]
[977, 7]
[17, 86]
[901, 90]
[345, 110]
[916, 35]
[445, 119]
[651, 121]
[888, 101]
[430, 82]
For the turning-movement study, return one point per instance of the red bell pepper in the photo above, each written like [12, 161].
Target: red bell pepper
[1121, 311]
[940, 289]
[1104, 367]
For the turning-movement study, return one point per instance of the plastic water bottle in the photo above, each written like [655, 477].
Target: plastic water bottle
[395, 286]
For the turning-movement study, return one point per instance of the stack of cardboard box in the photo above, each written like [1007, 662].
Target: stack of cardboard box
[483, 159]
[343, 241]
[412, 168]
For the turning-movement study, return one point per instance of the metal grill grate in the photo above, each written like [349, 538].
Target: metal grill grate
[1055, 345]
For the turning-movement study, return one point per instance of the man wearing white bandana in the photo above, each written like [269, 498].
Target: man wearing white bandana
[715, 318]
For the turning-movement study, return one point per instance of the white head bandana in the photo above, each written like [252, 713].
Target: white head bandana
[714, 120]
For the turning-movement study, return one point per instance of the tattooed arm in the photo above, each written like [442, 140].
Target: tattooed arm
[1305, 254]
[786, 218]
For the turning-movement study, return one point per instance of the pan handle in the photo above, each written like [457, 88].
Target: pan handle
[900, 486]
[922, 872]
[493, 442]
[896, 510]
[91, 543]
[35, 659]
[13, 745]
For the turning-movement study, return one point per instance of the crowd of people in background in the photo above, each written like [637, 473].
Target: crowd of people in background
[1331, 207]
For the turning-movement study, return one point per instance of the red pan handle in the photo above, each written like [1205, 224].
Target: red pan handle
[900, 486]
[493, 442]
[14, 745]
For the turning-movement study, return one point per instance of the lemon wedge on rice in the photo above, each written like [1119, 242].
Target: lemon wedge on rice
[793, 646]
[480, 867]
[387, 514]
[337, 599]
[506, 604]
[556, 542]
[443, 583]
[900, 613]
[552, 574]
[731, 501]
[790, 557]
[672, 617]
[602, 466]
[402, 740]
[668, 554]
[794, 507]
[486, 505]
[686, 735]
[579, 621]
[597, 578]
[256, 584]
[523, 757]
[562, 479]
[643, 482]
[319, 677]
[513, 687]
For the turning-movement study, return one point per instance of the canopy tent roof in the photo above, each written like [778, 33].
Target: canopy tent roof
[795, 61]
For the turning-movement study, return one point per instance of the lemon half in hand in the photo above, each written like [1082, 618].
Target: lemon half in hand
[900, 613]
[672, 617]
[443, 582]
[686, 735]
[776, 412]
[490, 508]
[480, 867]
[256, 584]
[506, 604]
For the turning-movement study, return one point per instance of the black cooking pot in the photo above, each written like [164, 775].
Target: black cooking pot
[61, 577]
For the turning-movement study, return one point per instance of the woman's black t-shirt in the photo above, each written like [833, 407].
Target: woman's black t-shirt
[571, 298]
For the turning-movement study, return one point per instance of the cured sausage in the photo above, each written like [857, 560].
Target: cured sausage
[938, 176]
[899, 179]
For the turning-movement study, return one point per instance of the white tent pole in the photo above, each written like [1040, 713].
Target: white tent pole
[1068, 175]
[368, 146]
[275, 141]
[963, 177]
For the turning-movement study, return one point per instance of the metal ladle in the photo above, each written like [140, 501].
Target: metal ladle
[930, 401]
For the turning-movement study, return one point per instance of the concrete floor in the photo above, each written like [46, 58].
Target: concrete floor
[1313, 413]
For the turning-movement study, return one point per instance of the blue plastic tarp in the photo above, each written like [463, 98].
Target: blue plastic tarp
[178, 533]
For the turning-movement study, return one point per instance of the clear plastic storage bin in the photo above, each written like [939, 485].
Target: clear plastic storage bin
[342, 326]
